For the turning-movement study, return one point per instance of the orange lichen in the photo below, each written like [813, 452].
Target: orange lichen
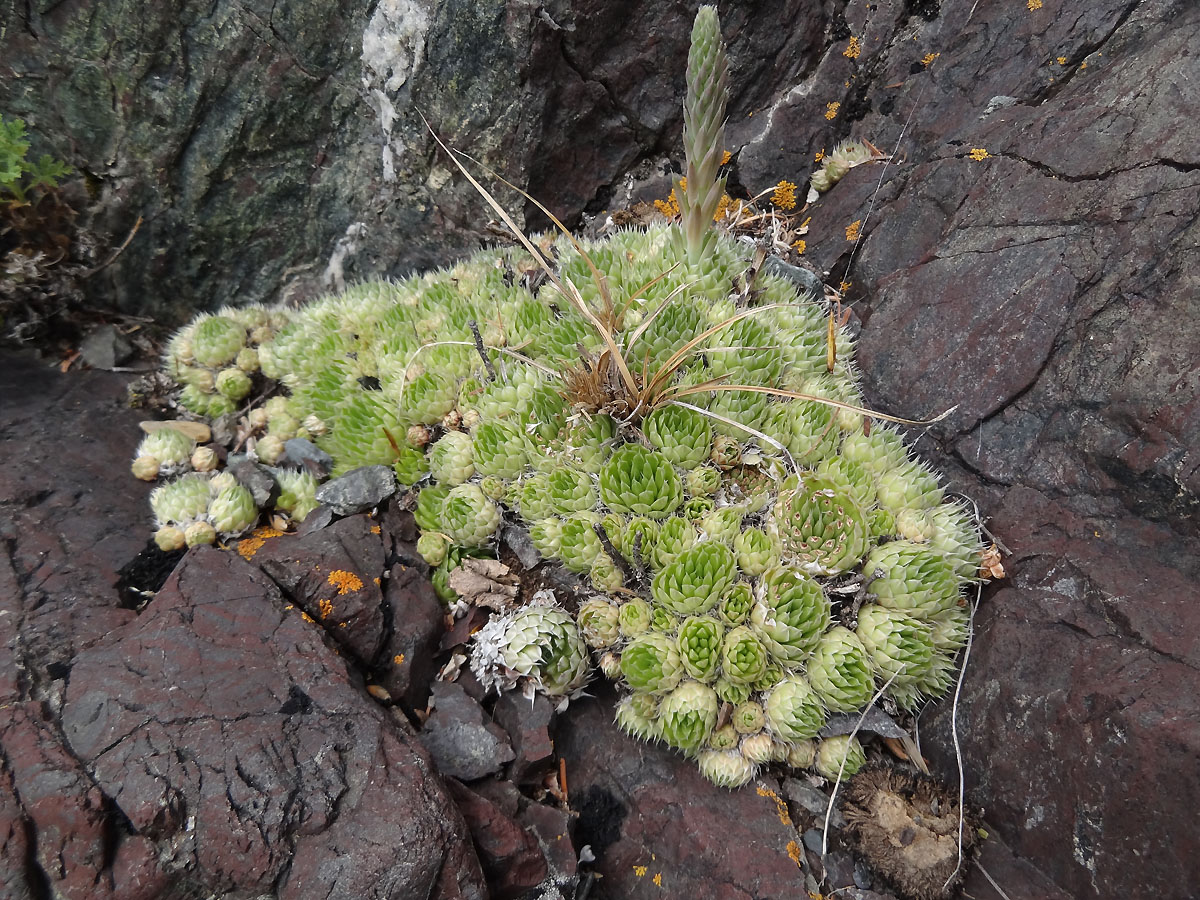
[325, 608]
[784, 195]
[831, 110]
[248, 546]
[307, 618]
[852, 230]
[722, 207]
[726, 157]
[780, 806]
[928, 58]
[668, 207]
[819, 155]
[800, 246]
[795, 854]
[398, 659]
[345, 582]
[1062, 60]
[853, 49]
[375, 529]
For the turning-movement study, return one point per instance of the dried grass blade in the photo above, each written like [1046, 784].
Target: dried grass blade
[684, 391]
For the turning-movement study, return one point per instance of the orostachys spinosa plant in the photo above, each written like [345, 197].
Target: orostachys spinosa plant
[678, 427]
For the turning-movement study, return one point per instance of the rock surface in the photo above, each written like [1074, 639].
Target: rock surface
[1029, 256]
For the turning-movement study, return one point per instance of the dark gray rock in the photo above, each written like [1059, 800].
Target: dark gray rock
[304, 454]
[255, 478]
[463, 744]
[359, 490]
[105, 348]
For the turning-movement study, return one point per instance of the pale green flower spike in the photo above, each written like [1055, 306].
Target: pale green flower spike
[719, 538]
[703, 133]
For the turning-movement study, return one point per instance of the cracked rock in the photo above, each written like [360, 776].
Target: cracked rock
[359, 490]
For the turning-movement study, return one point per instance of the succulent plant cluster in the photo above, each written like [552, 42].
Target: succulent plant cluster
[683, 433]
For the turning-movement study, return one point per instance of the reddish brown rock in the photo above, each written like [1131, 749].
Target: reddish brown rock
[222, 725]
[510, 856]
[674, 825]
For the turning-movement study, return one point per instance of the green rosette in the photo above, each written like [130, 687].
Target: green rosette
[234, 384]
[756, 551]
[233, 510]
[637, 716]
[216, 340]
[181, 501]
[546, 535]
[791, 615]
[900, 647]
[908, 486]
[793, 710]
[469, 518]
[840, 756]
[451, 459]
[640, 482]
[731, 693]
[702, 481]
[725, 768]
[543, 643]
[429, 507]
[748, 718]
[598, 620]
[674, 537]
[605, 574]
[499, 447]
[736, 604]
[297, 493]
[634, 617]
[840, 671]
[170, 448]
[724, 524]
[699, 641]
[820, 527]
[743, 656]
[433, 547]
[579, 545]
[696, 580]
[651, 663]
[687, 715]
[533, 497]
[915, 579]
[682, 435]
[637, 540]
[570, 491]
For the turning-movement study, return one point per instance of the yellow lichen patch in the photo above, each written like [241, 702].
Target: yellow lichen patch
[978, 154]
[376, 580]
[375, 529]
[1062, 60]
[1034, 5]
[307, 618]
[819, 155]
[780, 806]
[344, 581]
[784, 195]
[928, 59]
[658, 879]
[845, 286]
[248, 546]
[722, 207]
[852, 230]
[668, 207]
[795, 854]
[800, 246]
[831, 110]
[726, 157]
[853, 49]
[325, 608]
[639, 871]
[398, 659]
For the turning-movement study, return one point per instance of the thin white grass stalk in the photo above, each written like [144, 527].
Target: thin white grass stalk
[962, 781]
[576, 298]
[677, 358]
[525, 359]
[758, 434]
[842, 768]
[641, 329]
[992, 881]
[685, 390]
[598, 277]
[649, 284]
[879, 184]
